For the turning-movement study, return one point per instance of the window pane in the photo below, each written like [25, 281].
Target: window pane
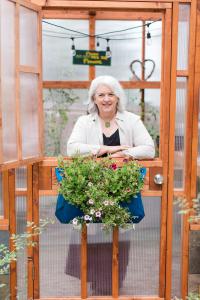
[28, 37]
[29, 115]
[123, 51]
[57, 56]
[153, 46]
[183, 36]
[8, 107]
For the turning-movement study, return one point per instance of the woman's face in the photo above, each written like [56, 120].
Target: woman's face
[105, 99]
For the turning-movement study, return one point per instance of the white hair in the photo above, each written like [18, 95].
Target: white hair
[113, 84]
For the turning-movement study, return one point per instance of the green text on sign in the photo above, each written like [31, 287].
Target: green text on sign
[86, 57]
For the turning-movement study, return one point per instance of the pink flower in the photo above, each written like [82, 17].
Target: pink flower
[91, 201]
[106, 202]
[98, 214]
[86, 218]
[113, 166]
[128, 190]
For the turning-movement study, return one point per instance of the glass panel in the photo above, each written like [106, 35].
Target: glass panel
[194, 263]
[60, 265]
[127, 48]
[152, 46]
[5, 278]
[150, 108]
[22, 256]
[57, 56]
[21, 180]
[139, 255]
[183, 36]
[99, 261]
[28, 21]
[8, 107]
[61, 110]
[181, 98]
[29, 114]
[176, 253]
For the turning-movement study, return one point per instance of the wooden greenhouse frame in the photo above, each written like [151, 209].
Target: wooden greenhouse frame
[40, 169]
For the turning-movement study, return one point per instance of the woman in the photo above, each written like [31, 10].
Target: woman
[107, 130]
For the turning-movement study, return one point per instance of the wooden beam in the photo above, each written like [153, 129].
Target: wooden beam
[27, 4]
[100, 15]
[107, 298]
[20, 163]
[123, 5]
[4, 224]
[5, 194]
[28, 69]
[86, 84]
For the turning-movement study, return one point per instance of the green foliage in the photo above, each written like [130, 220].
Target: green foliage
[193, 296]
[56, 102]
[186, 208]
[20, 241]
[98, 187]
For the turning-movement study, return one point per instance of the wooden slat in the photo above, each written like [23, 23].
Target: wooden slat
[20, 163]
[27, 4]
[45, 175]
[52, 161]
[17, 85]
[182, 73]
[36, 291]
[195, 227]
[164, 133]
[194, 172]
[30, 265]
[40, 88]
[12, 229]
[5, 194]
[86, 84]
[84, 262]
[100, 15]
[92, 43]
[4, 224]
[107, 298]
[188, 150]
[171, 151]
[115, 263]
[28, 69]
[108, 4]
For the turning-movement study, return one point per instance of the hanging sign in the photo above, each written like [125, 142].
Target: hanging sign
[91, 57]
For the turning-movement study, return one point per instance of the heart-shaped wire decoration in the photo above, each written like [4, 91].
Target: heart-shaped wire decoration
[142, 64]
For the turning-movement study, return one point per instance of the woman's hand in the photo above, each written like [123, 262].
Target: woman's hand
[112, 150]
[119, 154]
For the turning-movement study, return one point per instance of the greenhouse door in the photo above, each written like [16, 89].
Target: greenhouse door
[70, 264]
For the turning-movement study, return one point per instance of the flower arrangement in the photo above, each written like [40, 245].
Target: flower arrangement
[99, 187]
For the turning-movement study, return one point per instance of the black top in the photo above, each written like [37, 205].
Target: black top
[112, 140]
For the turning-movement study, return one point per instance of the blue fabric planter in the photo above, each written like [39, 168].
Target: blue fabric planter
[65, 212]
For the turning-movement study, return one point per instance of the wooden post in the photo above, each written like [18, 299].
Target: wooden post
[115, 263]
[12, 222]
[36, 222]
[84, 262]
[30, 266]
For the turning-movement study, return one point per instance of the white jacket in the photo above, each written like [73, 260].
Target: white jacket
[86, 137]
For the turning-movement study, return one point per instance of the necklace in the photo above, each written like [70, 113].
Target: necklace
[107, 124]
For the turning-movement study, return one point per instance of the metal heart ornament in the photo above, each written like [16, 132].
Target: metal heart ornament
[143, 67]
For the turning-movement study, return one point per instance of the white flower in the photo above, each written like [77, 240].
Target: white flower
[90, 184]
[91, 201]
[75, 221]
[111, 203]
[92, 211]
[106, 202]
[86, 217]
[98, 214]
